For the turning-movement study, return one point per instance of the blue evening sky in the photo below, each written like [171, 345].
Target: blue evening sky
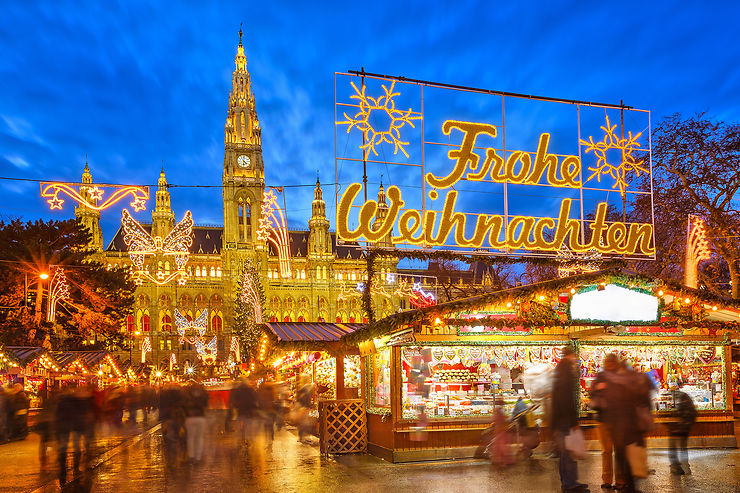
[134, 84]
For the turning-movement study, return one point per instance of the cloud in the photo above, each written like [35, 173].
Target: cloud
[17, 161]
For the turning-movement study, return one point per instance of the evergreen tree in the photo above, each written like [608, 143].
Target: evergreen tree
[99, 298]
[248, 306]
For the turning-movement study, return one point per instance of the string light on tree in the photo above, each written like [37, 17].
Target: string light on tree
[146, 347]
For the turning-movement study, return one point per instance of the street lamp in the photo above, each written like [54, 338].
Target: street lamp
[44, 276]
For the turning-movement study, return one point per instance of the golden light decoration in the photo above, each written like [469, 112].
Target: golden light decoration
[207, 352]
[627, 165]
[58, 290]
[274, 228]
[382, 104]
[235, 348]
[250, 296]
[173, 361]
[574, 263]
[698, 242]
[87, 195]
[142, 245]
[146, 347]
[200, 324]
[345, 292]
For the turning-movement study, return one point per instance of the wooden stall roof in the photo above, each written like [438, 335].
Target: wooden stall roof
[311, 331]
[88, 358]
[728, 308]
[24, 354]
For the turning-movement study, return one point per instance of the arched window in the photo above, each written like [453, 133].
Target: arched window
[130, 323]
[318, 272]
[197, 271]
[245, 219]
[166, 323]
[218, 272]
[145, 322]
[213, 271]
[217, 323]
[167, 266]
[287, 319]
[323, 270]
[301, 318]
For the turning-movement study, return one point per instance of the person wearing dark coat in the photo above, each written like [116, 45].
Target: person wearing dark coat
[243, 399]
[196, 402]
[609, 469]
[564, 417]
[172, 417]
[75, 419]
[685, 417]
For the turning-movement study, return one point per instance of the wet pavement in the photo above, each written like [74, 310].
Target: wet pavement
[20, 465]
[288, 466]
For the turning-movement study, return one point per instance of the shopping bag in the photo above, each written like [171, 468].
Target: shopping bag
[637, 457]
[575, 444]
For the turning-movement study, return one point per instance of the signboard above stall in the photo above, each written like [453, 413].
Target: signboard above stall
[478, 171]
[611, 303]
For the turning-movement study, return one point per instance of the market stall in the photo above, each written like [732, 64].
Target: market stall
[436, 376]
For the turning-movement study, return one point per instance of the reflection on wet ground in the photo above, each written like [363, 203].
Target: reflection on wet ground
[287, 465]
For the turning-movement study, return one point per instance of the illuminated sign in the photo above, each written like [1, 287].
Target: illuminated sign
[478, 181]
[614, 304]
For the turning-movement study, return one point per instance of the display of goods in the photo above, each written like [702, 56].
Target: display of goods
[475, 353]
[455, 376]
[450, 354]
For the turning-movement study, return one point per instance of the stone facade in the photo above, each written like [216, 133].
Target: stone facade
[323, 275]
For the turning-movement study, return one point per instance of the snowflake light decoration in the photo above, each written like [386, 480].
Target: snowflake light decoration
[627, 165]
[90, 196]
[385, 104]
[141, 245]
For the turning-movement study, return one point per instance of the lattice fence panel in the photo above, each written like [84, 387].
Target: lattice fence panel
[343, 426]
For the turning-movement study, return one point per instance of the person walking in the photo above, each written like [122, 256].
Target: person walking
[75, 419]
[243, 400]
[196, 401]
[611, 476]
[172, 417]
[685, 412]
[564, 418]
[4, 415]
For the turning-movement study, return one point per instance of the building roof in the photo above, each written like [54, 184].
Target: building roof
[88, 358]
[206, 240]
[311, 331]
[24, 354]
[299, 246]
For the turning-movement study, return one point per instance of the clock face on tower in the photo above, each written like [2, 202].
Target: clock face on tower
[244, 161]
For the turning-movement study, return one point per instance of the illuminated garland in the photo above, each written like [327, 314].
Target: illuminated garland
[542, 315]
[51, 191]
[274, 228]
[173, 361]
[250, 296]
[373, 255]
[572, 263]
[141, 245]
[58, 290]
[146, 347]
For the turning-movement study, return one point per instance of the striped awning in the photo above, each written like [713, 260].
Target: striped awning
[88, 358]
[24, 354]
[311, 331]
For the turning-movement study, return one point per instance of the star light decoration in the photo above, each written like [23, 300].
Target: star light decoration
[274, 228]
[58, 290]
[382, 104]
[90, 196]
[142, 245]
[626, 166]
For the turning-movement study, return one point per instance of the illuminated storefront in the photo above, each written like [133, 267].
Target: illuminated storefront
[448, 368]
